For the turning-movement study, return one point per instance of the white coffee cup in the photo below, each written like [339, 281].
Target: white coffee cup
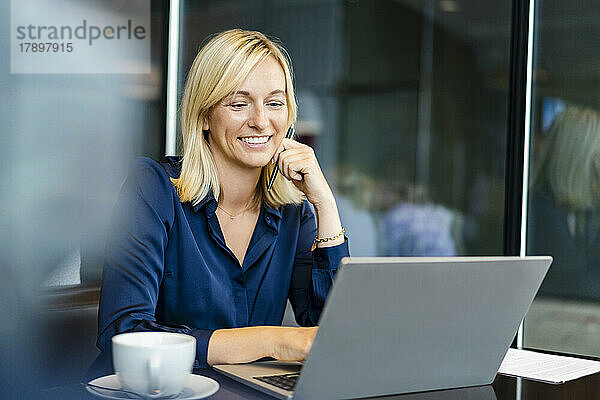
[154, 364]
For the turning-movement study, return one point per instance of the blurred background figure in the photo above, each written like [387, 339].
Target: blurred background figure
[355, 199]
[417, 227]
[566, 219]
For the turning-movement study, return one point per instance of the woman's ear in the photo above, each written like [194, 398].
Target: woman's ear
[205, 128]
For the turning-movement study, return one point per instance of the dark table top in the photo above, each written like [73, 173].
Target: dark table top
[503, 388]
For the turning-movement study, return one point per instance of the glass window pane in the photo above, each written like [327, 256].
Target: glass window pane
[72, 120]
[68, 138]
[563, 217]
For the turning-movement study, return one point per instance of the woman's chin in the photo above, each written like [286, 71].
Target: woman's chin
[257, 163]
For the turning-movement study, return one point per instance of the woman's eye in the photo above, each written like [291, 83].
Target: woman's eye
[237, 106]
[275, 104]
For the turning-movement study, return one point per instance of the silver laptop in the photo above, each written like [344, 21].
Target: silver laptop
[403, 325]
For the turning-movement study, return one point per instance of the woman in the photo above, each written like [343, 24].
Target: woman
[564, 216]
[200, 246]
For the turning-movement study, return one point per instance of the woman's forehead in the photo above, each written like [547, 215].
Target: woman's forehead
[245, 93]
[267, 76]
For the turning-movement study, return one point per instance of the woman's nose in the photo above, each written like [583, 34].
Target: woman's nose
[258, 118]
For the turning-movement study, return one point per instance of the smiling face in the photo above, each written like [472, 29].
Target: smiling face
[246, 129]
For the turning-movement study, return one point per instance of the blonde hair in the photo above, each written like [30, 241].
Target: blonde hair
[217, 72]
[569, 157]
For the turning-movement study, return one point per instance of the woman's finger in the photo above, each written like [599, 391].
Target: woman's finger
[299, 160]
[292, 144]
[288, 149]
[290, 154]
[289, 145]
[284, 165]
[299, 167]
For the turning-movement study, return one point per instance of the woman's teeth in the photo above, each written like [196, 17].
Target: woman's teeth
[256, 139]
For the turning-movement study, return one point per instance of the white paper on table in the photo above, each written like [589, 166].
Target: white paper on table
[546, 367]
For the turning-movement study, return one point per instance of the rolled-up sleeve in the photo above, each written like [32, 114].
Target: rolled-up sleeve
[135, 257]
[313, 272]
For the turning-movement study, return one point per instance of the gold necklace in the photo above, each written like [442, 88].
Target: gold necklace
[231, 216]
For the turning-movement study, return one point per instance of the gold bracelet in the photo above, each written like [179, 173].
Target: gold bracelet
[326, 239]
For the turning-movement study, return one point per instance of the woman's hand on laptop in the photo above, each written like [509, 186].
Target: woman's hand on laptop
[243, 345]
[292, 344]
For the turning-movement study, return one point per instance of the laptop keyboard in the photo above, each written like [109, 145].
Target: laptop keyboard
[285, 381]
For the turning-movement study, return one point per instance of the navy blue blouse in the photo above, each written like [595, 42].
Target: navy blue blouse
[167, 266]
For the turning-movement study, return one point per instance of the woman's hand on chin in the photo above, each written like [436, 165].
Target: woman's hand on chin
[298, 163]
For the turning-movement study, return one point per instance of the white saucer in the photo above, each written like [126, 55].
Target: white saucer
[196, 387]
